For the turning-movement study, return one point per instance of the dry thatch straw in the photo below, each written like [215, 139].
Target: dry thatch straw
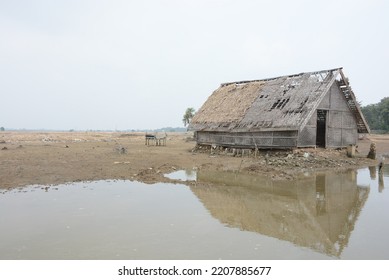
[229, 103]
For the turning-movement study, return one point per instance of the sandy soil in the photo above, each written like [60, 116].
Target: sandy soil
[61, 157]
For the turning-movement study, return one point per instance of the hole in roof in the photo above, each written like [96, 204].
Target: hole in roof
[275, 104]
[283, 103]
[279, 104]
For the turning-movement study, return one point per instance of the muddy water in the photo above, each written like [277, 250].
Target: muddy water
[327, 216]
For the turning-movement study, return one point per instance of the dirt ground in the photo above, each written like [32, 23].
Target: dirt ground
[50, 158]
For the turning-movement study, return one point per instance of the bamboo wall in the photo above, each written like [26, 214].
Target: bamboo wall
[261, 140]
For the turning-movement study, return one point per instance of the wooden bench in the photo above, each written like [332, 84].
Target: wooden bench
[149, 137]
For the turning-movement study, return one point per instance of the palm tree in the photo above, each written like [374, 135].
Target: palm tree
[189, 113]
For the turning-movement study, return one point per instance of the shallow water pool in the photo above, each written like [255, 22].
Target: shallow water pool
[222, 216]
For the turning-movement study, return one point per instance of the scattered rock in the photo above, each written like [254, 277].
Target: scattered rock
[4, 148]
[120, 149]
[47, 139]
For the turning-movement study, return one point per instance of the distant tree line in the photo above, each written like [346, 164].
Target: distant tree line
[377, 115]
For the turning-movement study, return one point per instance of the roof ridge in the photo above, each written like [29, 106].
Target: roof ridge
[288, 76]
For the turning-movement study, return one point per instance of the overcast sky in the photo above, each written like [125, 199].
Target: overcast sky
[87, 64]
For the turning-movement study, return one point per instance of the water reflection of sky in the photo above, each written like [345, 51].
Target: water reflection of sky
[182, 175]
[324, 216]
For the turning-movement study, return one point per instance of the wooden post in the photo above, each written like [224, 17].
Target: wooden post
[351, 151]
[373, 152]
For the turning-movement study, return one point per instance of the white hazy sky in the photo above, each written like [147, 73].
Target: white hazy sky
[87, 64]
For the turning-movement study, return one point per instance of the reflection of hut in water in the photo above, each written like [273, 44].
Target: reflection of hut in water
[318, 212]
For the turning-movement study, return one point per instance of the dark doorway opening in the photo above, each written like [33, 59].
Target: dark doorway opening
[321, 128]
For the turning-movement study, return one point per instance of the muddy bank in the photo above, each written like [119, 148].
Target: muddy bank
[61, 157]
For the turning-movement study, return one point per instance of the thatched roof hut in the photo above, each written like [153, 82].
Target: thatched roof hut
[307, 109]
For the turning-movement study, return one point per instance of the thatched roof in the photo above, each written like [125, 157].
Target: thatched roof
[281, 103]
[229, 104]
